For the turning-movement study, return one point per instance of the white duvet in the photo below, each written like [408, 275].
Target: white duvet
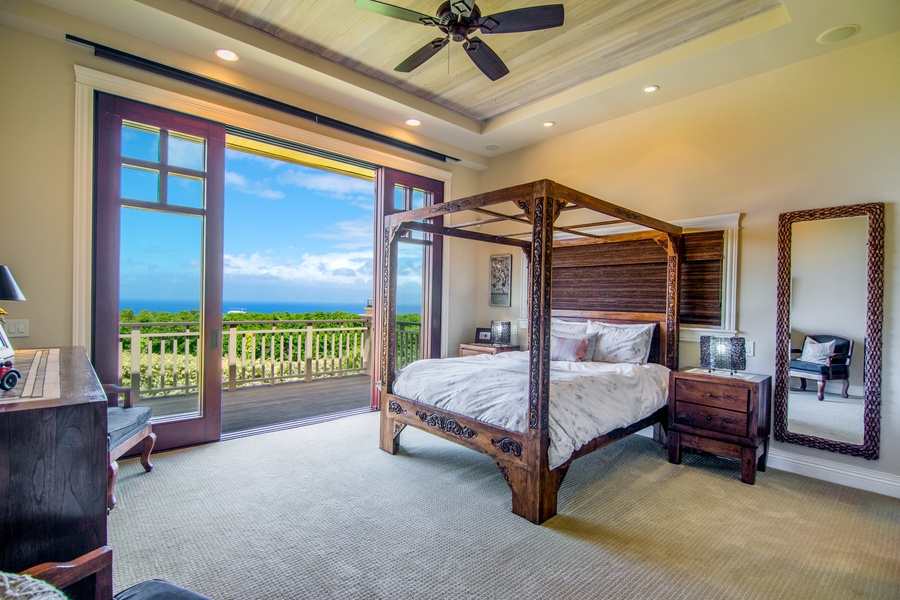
[587, 399]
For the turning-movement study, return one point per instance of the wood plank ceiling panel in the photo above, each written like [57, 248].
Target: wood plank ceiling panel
[598, 38]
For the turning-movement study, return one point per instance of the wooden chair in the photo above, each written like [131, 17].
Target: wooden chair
[835, 367]
[127, 425]
[97, 567]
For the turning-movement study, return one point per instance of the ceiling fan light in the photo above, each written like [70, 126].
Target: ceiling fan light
[226, 54]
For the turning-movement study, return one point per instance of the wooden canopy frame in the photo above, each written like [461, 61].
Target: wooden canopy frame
[522, 457]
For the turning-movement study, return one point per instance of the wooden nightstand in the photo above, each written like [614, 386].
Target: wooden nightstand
[722, 414]
[476, 348]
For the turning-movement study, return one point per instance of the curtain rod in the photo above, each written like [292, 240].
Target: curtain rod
[242, 94]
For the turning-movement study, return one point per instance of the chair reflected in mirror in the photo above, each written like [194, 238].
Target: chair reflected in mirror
[823, 357]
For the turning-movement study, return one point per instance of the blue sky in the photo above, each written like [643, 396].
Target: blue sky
[292, 234]
[295, 233]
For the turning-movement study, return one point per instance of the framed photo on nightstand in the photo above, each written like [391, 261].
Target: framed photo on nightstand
[483, 335]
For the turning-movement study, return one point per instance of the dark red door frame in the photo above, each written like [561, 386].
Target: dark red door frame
[111, 111]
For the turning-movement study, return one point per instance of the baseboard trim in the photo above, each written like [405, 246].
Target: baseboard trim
[817, 468]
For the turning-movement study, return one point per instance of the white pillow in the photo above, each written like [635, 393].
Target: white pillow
[567, 328]
[622, 342]
[816, 352]
[572, 349]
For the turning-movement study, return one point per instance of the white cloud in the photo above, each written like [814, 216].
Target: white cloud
[333, 268]
[352, 235]
[333, 184]
[256, 188]
[235, 179]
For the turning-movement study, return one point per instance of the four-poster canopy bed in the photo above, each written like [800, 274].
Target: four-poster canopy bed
[522, 455]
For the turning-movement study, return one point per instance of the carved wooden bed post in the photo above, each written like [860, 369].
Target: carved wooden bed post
[534, 491]
[390, 428]
[673, 294]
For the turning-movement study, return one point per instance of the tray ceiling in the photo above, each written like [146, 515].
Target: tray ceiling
[598, 38]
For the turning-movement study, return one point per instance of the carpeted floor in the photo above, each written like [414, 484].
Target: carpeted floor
[320, 512]
[834, 418]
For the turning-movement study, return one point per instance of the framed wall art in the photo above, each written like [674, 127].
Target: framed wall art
[501, 279]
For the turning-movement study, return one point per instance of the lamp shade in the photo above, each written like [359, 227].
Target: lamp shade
[9, 289]
[501, 332]
[726, 353]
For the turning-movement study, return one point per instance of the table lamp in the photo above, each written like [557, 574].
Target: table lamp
[723, 353]
[501, 332]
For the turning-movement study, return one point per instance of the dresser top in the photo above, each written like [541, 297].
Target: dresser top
[52, 377]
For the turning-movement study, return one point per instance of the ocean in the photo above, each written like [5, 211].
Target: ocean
[265, 307]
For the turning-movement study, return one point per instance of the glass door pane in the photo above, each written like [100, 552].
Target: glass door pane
[160, 287]
[410, 291]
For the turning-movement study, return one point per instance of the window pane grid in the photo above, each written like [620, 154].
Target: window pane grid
[162, 167]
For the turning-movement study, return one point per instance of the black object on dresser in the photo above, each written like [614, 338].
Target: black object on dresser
[722, 414]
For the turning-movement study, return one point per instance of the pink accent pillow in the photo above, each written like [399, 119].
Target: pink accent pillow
[571, 349]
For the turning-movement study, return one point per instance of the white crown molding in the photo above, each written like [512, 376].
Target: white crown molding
[825, 470]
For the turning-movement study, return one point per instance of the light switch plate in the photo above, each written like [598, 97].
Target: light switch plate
[16, 328]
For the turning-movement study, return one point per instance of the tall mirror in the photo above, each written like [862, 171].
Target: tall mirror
[828, 333]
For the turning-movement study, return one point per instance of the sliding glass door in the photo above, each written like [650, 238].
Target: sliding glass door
[158, 251]
[420, 259]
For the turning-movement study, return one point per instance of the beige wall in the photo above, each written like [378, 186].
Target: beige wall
[819, 133]
[823, 132]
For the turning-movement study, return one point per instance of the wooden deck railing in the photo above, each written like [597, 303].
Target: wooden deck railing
[253, 353]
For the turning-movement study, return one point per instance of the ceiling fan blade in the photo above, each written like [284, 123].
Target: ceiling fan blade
[524, 19]
[462, 7]
[485, 59]
[396, 12]
[418, 58]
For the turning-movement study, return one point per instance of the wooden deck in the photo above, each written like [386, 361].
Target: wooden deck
[255, 407]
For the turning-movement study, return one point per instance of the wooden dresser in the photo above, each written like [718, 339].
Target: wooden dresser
[52, 461]
[475, 348]
[722, 414]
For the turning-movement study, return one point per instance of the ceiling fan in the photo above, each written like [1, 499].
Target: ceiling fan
[458, 19]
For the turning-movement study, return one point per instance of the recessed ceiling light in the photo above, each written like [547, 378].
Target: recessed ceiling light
[651, 88]
[837, 34]
[226, 54]
[492, 147]
[413, 122]
[549, 123]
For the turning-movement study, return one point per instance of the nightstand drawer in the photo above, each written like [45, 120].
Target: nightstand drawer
[712, 418]
[728, 397]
